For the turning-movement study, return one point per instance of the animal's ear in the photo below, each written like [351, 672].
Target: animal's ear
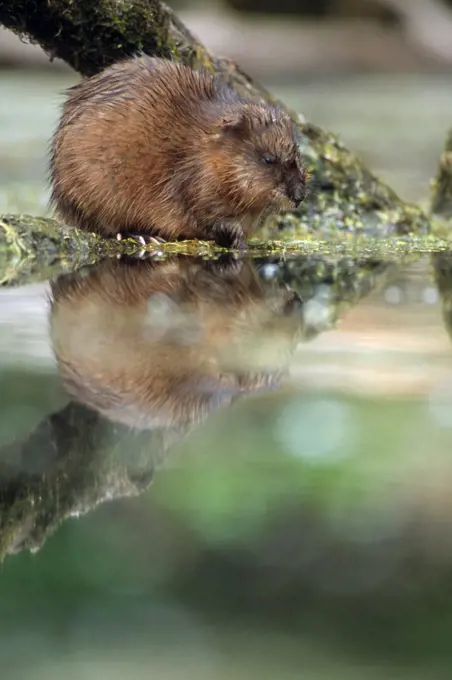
[236, 122]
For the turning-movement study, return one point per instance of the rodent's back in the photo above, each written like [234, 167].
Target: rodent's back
[152, 147]
[120, 134]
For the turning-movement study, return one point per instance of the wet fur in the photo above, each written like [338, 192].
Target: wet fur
[152, 147]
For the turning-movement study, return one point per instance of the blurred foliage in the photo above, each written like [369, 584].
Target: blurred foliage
[317, 8]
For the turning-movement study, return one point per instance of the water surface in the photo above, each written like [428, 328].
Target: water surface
[240, 469]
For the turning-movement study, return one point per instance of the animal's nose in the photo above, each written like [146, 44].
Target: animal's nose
[297, 193]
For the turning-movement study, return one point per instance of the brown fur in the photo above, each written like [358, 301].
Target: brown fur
[163, 344]
[152, 147]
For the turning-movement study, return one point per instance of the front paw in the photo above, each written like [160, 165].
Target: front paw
[229, 235]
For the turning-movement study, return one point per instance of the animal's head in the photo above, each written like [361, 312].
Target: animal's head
[258, 160]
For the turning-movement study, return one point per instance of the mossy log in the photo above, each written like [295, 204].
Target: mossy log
[35, 248]
[345, 197]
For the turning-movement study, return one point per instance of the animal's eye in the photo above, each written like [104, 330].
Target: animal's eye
[269, 160]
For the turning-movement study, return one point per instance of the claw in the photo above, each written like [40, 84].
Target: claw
[142, 239]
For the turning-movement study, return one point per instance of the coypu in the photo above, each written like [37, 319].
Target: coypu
[152, 148]
[162, 344]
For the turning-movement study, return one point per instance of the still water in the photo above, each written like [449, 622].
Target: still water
[220, 471]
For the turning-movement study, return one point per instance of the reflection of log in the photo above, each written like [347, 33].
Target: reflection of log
[72, 462]
[329, 287]
[151, 382]
[345, 196]
[164, 346]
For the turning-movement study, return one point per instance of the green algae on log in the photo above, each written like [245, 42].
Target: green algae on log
[36, 248]
[91, 34]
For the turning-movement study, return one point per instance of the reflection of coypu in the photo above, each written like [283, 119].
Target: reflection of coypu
[153, 147]
[161, 344]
